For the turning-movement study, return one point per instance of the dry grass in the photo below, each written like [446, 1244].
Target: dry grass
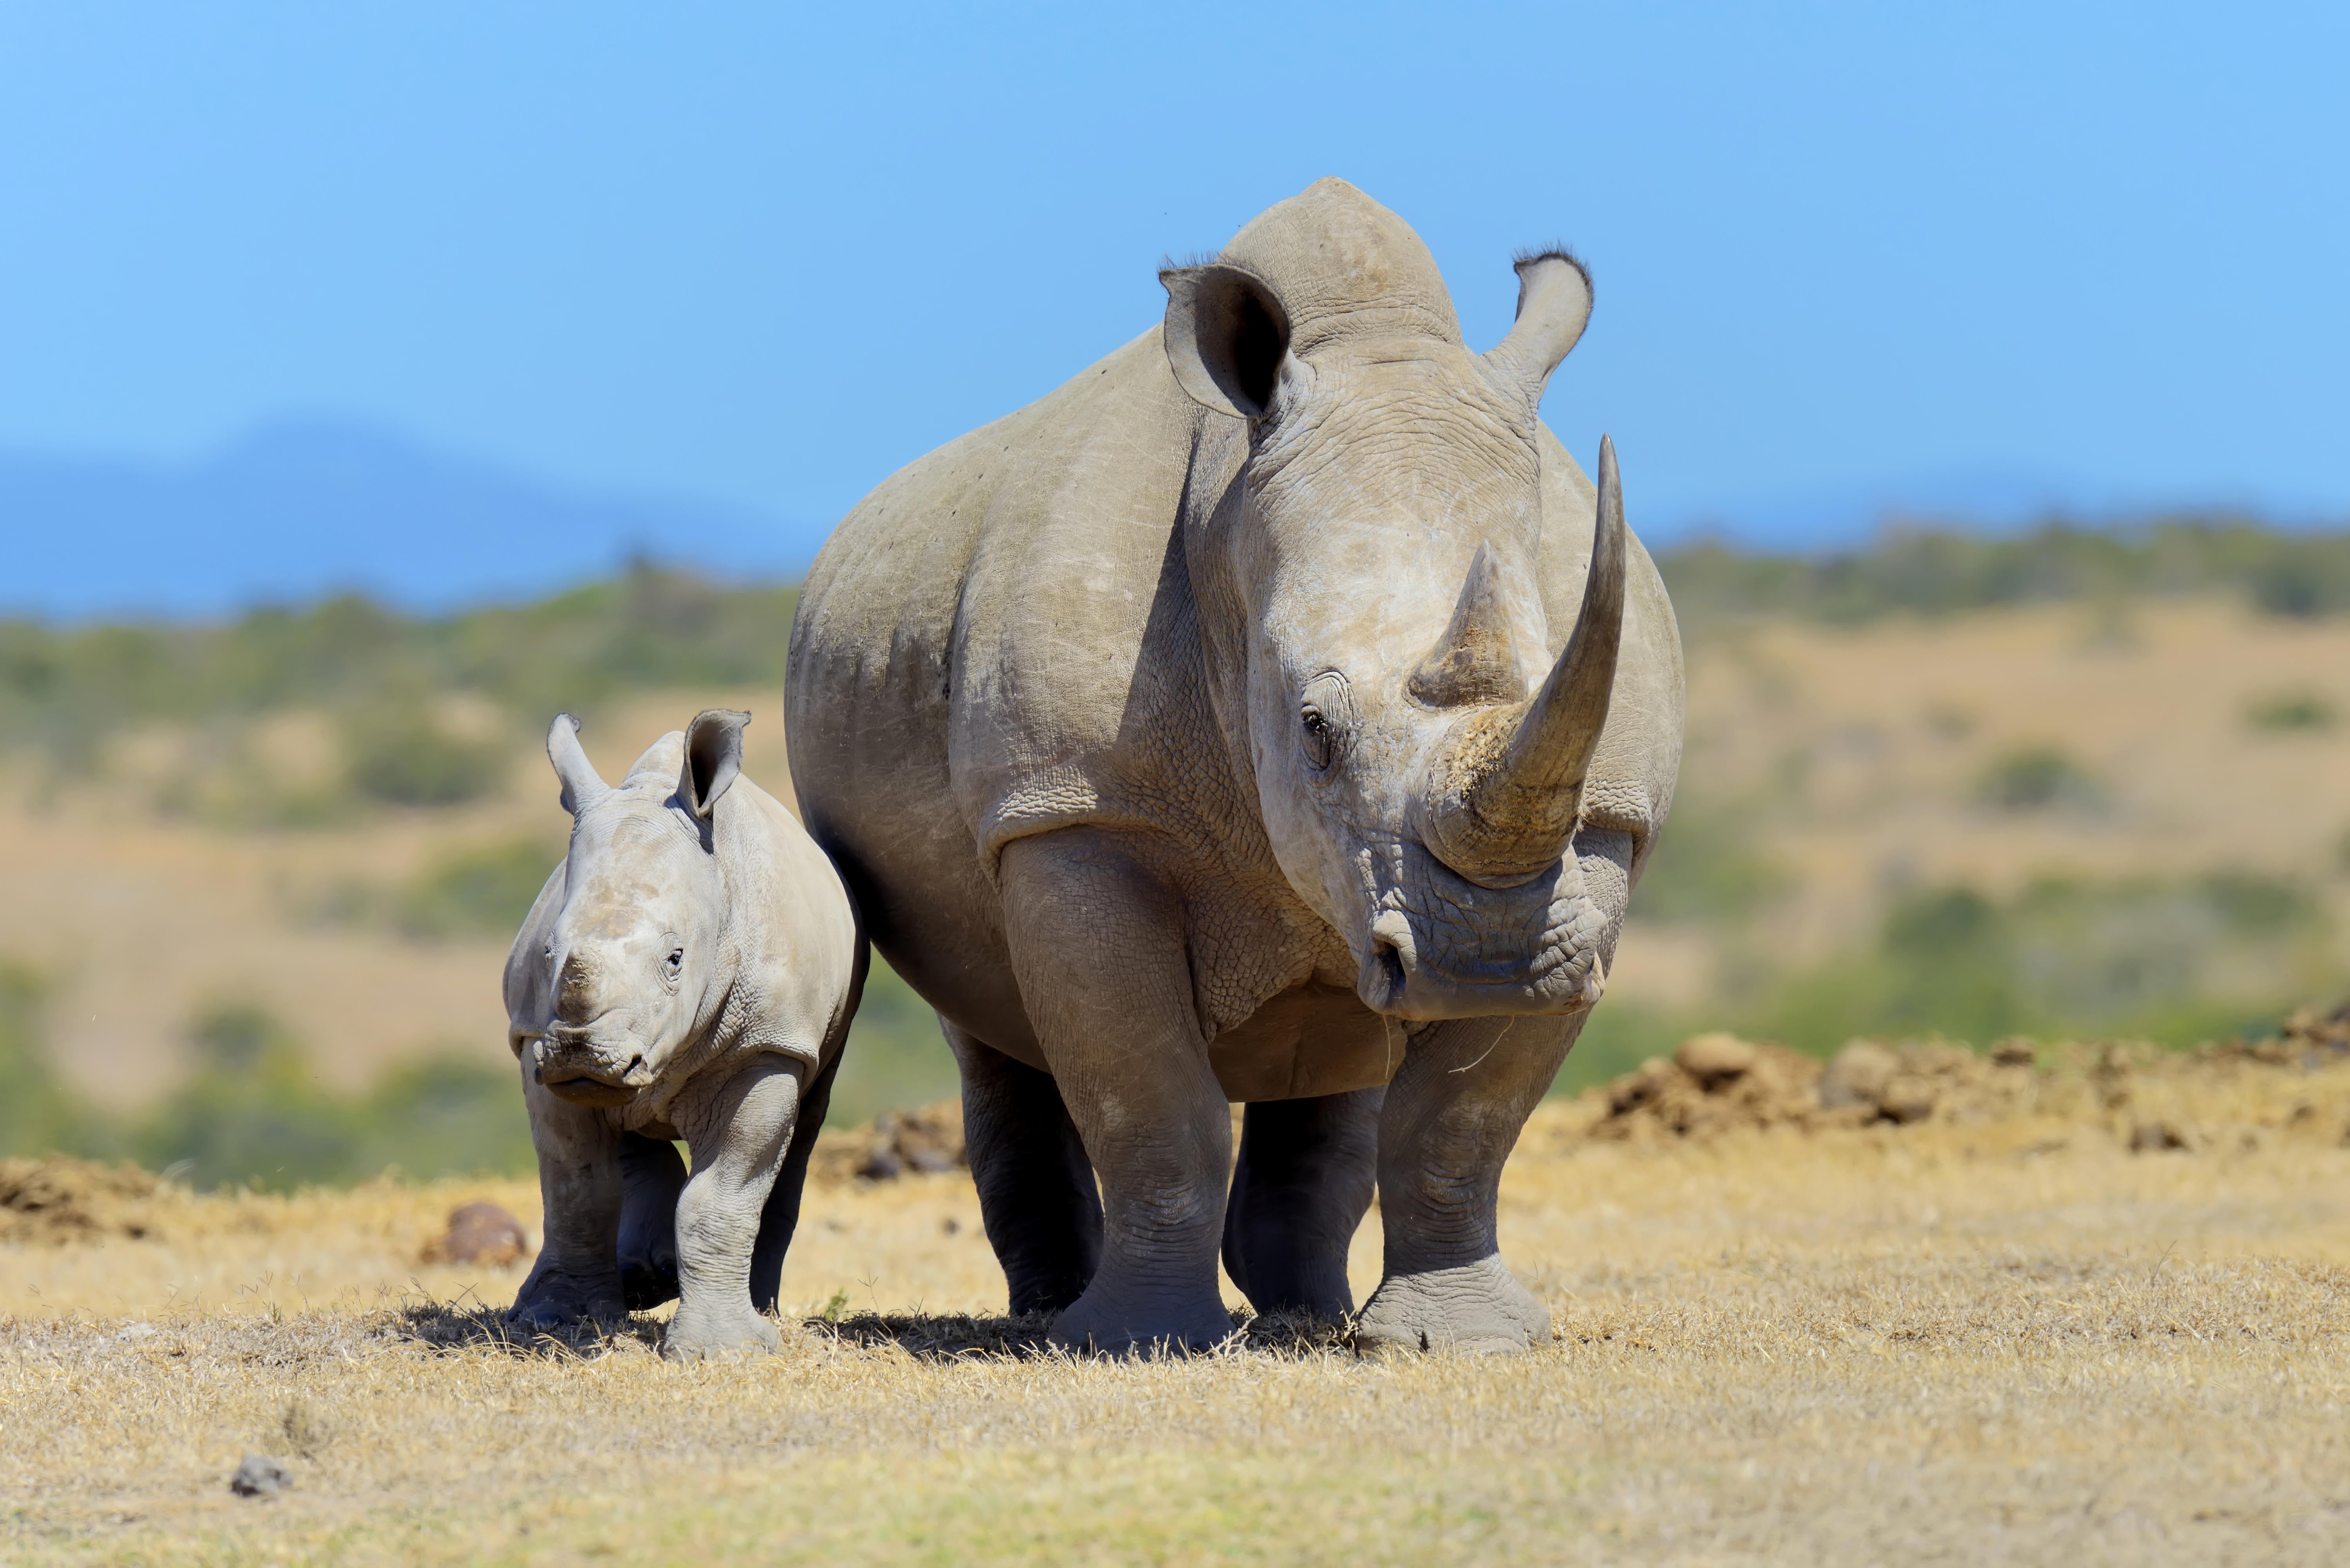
[2014, 1341]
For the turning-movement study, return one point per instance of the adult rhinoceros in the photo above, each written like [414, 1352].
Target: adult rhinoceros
[1274, 713]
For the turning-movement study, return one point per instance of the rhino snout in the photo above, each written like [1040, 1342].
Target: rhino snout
[573, 1065]
[1481, 974]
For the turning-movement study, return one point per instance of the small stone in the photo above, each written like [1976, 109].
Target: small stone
[2156, 1138]
[1906, 1097]
[261, 1476]
[2017, 1051]
[1714, 1059]
[1858, 1075]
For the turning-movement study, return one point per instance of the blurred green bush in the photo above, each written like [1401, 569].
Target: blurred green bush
[64, 688]
[1929, 570]
[2288, 711]
[2038, 778]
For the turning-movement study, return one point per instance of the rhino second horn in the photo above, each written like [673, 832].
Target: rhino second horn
[582, 784]
[1509, 789]
[1473, 660]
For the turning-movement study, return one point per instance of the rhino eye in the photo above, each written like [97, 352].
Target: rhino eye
[675, 962]
[1317, 737]
[1323, 713]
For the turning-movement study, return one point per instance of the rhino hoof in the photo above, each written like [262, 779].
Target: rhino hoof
[648, 1285]
[695, 1336]
[559, 1302]
[1479, 1309]
[1099, 1328]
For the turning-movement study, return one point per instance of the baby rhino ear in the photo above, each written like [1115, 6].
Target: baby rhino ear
[714, 758]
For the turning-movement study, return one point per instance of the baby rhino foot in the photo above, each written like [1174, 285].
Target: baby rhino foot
[1479, 1307]
[708, 1334]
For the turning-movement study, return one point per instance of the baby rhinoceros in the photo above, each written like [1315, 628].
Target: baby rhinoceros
[688, 971]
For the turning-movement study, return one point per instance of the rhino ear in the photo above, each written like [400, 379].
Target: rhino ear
[714, 758]
[582, 786]
[1227, 337]
[1554, 304]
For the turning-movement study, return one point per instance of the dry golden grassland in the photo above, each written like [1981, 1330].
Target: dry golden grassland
[2010, 1340]
[1857, 755]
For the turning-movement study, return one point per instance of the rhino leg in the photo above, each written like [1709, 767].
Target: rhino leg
[577, 1274]
[1099, 945]
[1452, 1116]
[781, 1217]
[1036, 1193]
[739, 1131]
[652, 1176]
[1302, 1184]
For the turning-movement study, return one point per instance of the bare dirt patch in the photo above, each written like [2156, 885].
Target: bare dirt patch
[59, 1200]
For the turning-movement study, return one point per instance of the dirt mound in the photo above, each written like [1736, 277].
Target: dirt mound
[929, 1140]
[60, 1200]
[1714, 1084]
[2151, 1098]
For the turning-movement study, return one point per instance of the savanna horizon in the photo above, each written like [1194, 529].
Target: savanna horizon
[319, 825]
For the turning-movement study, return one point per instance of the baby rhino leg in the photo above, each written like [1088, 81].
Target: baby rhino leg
[577, 1276]
[739, 1131]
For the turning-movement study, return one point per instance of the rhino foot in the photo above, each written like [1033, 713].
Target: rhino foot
[711, 1335]
[1170, 1326]
[559, 1300]
[1478, 1308]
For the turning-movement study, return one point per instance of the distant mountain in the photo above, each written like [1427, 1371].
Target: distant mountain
[304, 509]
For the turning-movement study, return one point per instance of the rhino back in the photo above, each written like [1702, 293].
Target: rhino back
[1000, 641]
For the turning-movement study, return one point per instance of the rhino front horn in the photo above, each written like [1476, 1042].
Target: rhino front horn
[1508, 790]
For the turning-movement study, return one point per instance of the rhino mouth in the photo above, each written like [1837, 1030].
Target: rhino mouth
[1393, 984]
[572, 1066]
[1424, 966]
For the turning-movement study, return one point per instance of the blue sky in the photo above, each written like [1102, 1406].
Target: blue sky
[765, 254]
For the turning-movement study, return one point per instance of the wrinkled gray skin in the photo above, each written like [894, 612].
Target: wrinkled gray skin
[1263, 716]
[688, 971]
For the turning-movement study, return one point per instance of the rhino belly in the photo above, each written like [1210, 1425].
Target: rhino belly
[1312, 1039]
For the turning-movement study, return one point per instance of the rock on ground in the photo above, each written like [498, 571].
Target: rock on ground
[479, 1233]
